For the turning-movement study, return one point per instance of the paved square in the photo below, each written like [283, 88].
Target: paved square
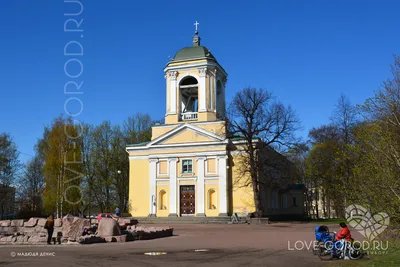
[216, 245]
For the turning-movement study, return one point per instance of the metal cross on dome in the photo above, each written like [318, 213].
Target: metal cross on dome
[197, 25]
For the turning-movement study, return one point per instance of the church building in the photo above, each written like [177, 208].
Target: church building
[189, 168]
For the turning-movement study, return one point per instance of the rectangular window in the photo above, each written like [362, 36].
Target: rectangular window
[187, 166]
[294, 202]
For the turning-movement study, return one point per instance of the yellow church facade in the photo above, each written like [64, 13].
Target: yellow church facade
[189, 168]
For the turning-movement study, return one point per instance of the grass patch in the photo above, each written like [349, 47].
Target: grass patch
[391, 258]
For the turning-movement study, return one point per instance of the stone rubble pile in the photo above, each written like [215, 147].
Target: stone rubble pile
[145, 233]
[70, 230]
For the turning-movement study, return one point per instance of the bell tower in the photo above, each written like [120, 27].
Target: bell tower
[195, 84]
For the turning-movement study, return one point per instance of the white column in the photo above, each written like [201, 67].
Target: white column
[153, 199]
[172, 187]
[202, 90]
[172, 91]
[200, 186]
[215, 93]
[223, 189]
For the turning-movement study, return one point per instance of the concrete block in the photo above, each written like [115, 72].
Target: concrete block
[17, 223]
[5, 223]
[58, 222]
[41, 222]
[31, 223]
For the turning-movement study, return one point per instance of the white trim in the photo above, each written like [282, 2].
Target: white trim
[206, 182]
[223, 189]
[162, 179]
[177, 155]
[193, 154]
[255, 140]
[192, 123]
[192, 66]
[191, 144]
[169, 146]
[186, 178]
[202, 90]
[162, 183]
[158, 168]
[180, 128]
[201, 188]
[138, 157]
[215, 93]
[172, 162]
[172, 96]
[216, 167]
[153, 184]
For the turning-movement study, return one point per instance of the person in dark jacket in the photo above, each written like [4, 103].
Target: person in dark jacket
[49, 225]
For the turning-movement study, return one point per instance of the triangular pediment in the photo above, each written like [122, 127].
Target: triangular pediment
[186, 134]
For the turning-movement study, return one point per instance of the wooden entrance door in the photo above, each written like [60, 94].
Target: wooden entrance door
[188, 200]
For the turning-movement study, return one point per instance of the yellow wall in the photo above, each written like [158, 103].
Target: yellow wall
[215, 200]
[242, 196]
[215, 128]
[162, 166]
[189, 136]
[162, 212]
[211, 167]
[139, 187]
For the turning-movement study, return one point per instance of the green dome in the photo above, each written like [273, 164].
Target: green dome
[193, 52]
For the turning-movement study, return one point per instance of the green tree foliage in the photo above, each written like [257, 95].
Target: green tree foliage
[63, 168]
[356, 159]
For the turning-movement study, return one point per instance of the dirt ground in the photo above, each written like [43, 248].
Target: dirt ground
[280, 244]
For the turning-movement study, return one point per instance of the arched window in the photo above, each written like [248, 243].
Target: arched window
[162, 198]
[189, 96]
[212, 199]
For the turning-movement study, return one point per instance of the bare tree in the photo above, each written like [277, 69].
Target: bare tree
[137, 128]
[9, 167]
[261, 122]
[32, 185]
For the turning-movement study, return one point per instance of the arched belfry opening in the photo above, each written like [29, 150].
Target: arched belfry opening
[220, 101]
[189, 96]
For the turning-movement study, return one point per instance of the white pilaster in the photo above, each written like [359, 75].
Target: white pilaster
[215, 93]
[202, 90]
[172, 91]
[153, 174]
[172, 187]
[223, 189]
[200, 186]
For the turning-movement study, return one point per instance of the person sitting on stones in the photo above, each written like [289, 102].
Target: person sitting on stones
[49, 225]
[117, 212]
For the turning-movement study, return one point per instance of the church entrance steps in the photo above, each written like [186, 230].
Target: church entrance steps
[185, 220]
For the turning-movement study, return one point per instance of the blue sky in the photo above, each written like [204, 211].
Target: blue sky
[306, 52]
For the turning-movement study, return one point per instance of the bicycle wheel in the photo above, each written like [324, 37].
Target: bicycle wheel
[324, 253]
[316, 248]
[354, 254]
